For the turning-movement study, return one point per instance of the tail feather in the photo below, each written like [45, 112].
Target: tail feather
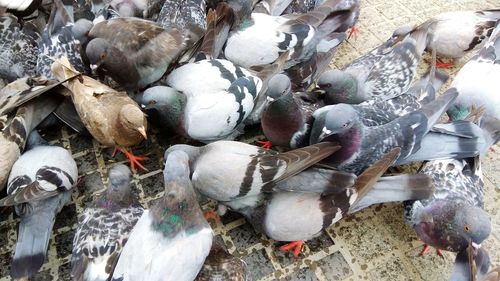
[396, 189]
[33, 236]
[420, 37]
[433, 111]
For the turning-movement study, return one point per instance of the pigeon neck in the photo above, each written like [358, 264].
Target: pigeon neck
[281, 120]
[174, 114]
[458, 112]
[350, 141]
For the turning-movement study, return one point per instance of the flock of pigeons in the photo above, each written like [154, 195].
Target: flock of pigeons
[205, 69]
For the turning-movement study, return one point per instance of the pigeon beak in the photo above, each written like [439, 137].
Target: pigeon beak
[324, 134]
[269, 99]
[94, 67]
[142, 130]
[475, 247]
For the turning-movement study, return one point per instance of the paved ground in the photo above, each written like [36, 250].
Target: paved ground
[374, 244]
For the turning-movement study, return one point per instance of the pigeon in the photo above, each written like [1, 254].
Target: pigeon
[61, 38]
[172, 239]
[187, 16]
[15, 130]
[462, 269]
[287, 117]
[259, 38]
[21, 8]
[384, 73]
[453, 217]
[229, 170]
[39, 185]
[18, 48]
[300, 216]
[103, 229]
[375, 112]
[111, 117]
[129, 8]
[132, 51]
[453, 34]
[477, 81]
[362, 145]
[221, 265]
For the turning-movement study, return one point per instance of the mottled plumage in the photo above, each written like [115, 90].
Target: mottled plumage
[103, 229]
[362, 145]
[220, 265]
[18, 48]
[383, 73]
[39, 186]
[172, 239]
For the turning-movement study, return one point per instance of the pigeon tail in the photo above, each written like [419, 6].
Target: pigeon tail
[420, 37]
[219, 23]
[33, 237]
[59, 17]
[396, 189]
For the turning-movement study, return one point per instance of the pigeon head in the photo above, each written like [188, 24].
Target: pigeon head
[472, 224]
[101, 53]
[34, 139]
[278, 85]
[340, 87]
[119, 177]
[165, 103]
[133, 119]
[81, 30]
[339, 120]
[118, 194]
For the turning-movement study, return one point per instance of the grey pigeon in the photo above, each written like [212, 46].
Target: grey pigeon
[380, 112]
[15, 131]
[39, 185]
[462, 268]
[61, 38]
[18, 48]
[229, 170]
[453, 34]
[287, 116]
[221, 265]
[134, 52]
[260, 38]
[383, 73]
[172, 239]
[362, 145]
[129, 8]
[477, 81]
[104, 227]
[300, 216]
[453, 217]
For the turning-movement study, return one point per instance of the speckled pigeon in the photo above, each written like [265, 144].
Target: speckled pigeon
[462, 267]
[228, 170]
[383, 73]
[300, 216]
[39, 186]
[104, 227]
[453, 217]
[477, 82]
[453, 34]
[18, 48]
[172, 239]
[61, 38]
[221, 265]
[260, 38]
[362, 145]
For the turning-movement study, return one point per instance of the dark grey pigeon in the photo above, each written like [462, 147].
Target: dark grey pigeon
[229, 170]
[172, 239]
[380, 112]
[104, 227]
[287, 116]
[39, 185]
[462, 267]
[453, 218]
[18, 48]
[259, 38]
[16, 129]
[61, 38]
[221, 265]
[299, 216]
[362, 145]
[384, 73]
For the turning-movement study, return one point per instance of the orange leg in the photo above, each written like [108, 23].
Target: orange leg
[265, 144]
[353, 32]
[211, 215]
[427, 248]
[134, 160]
[296, 245]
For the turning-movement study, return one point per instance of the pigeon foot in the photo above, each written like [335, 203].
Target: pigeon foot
[354, 33]
[296, 245]
[265, 144]
[427, 248]
[134, 160]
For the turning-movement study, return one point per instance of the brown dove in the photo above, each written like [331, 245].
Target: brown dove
[111, 117]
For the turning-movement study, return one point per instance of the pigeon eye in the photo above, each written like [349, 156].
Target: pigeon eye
[103, 55]
[344, 125]
[152, 102]
[466, 228]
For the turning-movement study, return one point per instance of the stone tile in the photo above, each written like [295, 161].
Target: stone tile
[335, 267]
[258, 264]
[303, 274]
[243, 237]
[392, 270]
